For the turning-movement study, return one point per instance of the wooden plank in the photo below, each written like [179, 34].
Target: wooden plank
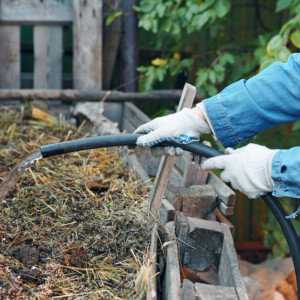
[152, 280]
[188, 290]
[36, 12]
[166, 211]
[228, 270]
[181, 162]
[10, 56]
[135, 115]
[189, 174]
[111, 39]
[129, 47]
[221, 218]
[226, 210]
[171, 285]
[225, 193]
[138, 169]
[181, 229]
[127, 125]
[78, 95]
[48, 52]
[213, 292]
[201, 176]
[166, 163]
[87, 44]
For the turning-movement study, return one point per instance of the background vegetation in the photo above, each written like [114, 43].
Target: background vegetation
[214, 43]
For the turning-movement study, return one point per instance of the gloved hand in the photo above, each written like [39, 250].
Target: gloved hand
[248, 169]
[182, 127]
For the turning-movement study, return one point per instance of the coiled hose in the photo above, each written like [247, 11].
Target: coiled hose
[196, 148]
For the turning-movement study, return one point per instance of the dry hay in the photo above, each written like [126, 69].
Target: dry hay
[73, 227]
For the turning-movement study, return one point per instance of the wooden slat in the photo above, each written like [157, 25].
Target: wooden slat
[225, 193]
[87, 44]
[36, 12]
[48, 51]
[134, 115]
[111, 39]
[228, 270]
[171, 285]
[226, 210]
[166, 163]
[77, 95]
[10, 56]
[152, 276]
[206, 292]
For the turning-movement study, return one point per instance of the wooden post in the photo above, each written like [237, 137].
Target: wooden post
[111, 40]
[48, 57]
[10, 56]
[129, 46]
[87, 43]
[166, 163]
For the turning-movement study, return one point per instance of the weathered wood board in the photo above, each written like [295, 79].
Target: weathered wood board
[10, 56]
[87, 44]
[171, 285]
[36, 12]
[48, 53]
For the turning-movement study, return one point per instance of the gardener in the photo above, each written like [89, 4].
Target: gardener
[239, 112]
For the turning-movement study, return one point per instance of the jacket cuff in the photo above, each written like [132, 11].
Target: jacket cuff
[219, 121]
[202, 107]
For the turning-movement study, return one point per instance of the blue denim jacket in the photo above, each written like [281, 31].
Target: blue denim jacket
[247, 107]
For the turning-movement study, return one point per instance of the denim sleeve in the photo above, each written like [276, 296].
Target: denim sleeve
[268, 99]
[285, 173]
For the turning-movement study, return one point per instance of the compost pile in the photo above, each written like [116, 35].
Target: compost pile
[74, 226]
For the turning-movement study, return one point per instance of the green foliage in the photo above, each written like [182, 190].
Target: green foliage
[171, 21]
[273, 237]
[112, 16]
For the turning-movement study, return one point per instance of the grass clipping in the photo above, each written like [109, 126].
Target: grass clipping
[74, 225]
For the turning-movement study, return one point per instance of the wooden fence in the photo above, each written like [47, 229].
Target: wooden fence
[48, 18]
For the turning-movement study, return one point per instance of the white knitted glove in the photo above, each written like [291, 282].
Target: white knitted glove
[248, 169]
[182, 127]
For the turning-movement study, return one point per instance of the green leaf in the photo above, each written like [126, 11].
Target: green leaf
[202, 76]
[296, 125]
[160, 73]
[147, 6]
[186, 62]
[212, 76]
[167, 25]
[284, 4]
[200, 20]
[142, 69]
[275, 44]
[136, 8]
[145, 23]
[266, 63]
[205, 4]
[112, 16]
[295, 38]
[222, 8]
[283, 54]
[161, 8]
[211, 90]
[226, 58]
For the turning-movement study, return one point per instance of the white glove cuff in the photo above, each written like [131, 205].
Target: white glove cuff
[263, 166]
[196, 123]
[202, 107]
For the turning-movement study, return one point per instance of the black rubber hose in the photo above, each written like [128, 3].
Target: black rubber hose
[118, 140]
[197, 148]
[288, 231]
